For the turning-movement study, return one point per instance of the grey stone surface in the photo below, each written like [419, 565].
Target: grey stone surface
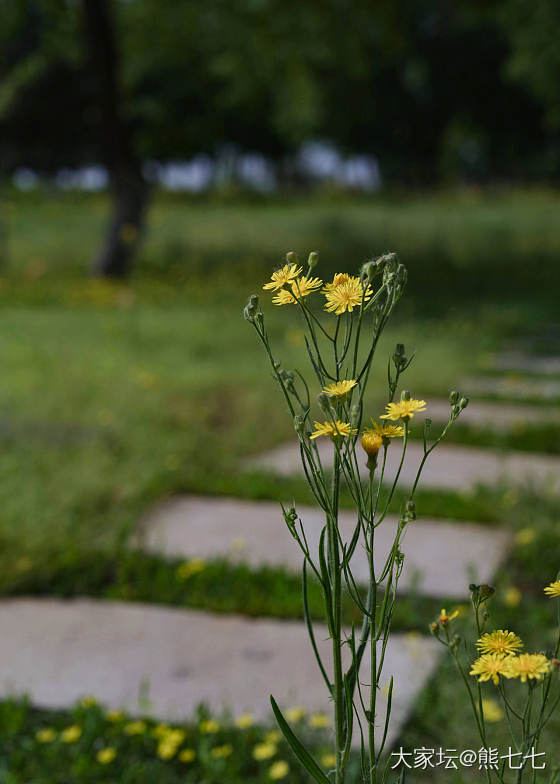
[503, 416]
[448, 467]
[59, 650]
[514, 386]
[527, 363]
[441, 557]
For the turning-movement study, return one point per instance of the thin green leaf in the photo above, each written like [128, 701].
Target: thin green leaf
[297, 746]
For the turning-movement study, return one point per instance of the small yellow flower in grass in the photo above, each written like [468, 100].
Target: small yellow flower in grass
[333, 429]
[499, 641]
[244, 721]
[553, 590]
[274, 736]
[490, 666]
[46, 735]
[283, 276]
[264, 751]
[492, 711]
[299, 289]
[189, 568]
[340, 388]
[209, 726]
[279, 770]
[328, 761]
[176, 737]
[135, 728]
[525, 536]
[88, 701]
[404, 409]
[161, 730]
[106, 755]
[71, 734]
[319, 720]
[187, 755]
[444, 618]
[295, 714]
[526, 666]
[221, 752]
[512, 596]
[345, 296]
[114, 716]
[166, 749]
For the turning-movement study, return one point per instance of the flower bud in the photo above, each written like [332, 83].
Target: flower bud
[435, 629]
[405, 395]
[251, 308]
[369, 271]
[313, 259]
[299, 425]
[290, 517]
[453, 397]
[411, 510]
[428, 422]
[324, 402]
[291, 257]
[463, 403]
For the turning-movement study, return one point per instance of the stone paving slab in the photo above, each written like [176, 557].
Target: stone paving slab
[449, 467]
[498, 415]
[57, 651]
[514, 386]
[526, 363]
[441, 557]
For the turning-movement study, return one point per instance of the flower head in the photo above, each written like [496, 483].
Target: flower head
[340, 388]
[345, 295]
[135, 728]
[209, 726]
[264, 751]
[371, 442]
[46, 735]
[221, 752]
[499, 641]
[189, 568]
[319, 720]
[106, 755]
[283, 276]
[71, 734]
[553, 590]
[328, 760]
[527, 666]
[490, 666]
[295, 714]
[187, 755]
[278, 770]
[244, 721]
[299, 288]
[404, 409]
[386, 431]
[444, 618]
[492, 711]
[333, 429]
[340, 277]
[114, 716]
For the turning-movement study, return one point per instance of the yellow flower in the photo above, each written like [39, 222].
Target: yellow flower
[187, 755]
[135, 728]
[244, 721]
[295, 714]
[340, 277]
[274, 736]
[282, 276]
[71, 734]
[161, 730]
[332, 429]
[512, 596]
[499, 641]
[166, 749]
[279, 770]
[492, 711]
[386, 431]
[264, 751]
[490, 666]
[46, 735]
[189, 568]
[527, 665]
[328, 760]
[220, 752]
[346, 295]
[553, 589]
[88, 701]
[445, 618]
[114, 716]
[209, 727]
[319, 720]
[176, 737]
[404, 409]
[299, 289]
[525, 536]
[340, 388]
[371, 442]
[106, 755]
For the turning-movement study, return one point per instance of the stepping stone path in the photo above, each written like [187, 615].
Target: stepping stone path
[514, 386]
[449, 467]
[57, 651]
[503, 416]
[527, 363]
[441, 558]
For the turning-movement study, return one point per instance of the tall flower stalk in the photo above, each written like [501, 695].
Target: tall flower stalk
[341, 340]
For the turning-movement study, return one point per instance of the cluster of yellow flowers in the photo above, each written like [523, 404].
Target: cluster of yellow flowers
[342, 295]
[500, 657]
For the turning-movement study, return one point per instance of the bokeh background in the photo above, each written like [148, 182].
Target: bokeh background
[158, 158]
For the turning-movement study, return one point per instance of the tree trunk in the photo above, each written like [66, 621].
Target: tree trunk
[128, 186]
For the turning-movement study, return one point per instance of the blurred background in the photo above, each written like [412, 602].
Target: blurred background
[158, 158]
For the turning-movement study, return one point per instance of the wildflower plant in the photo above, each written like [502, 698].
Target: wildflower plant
[344, 320]
[526, 684]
